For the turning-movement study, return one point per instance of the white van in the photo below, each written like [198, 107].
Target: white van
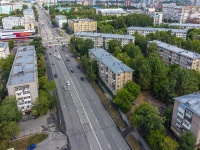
[59, 57]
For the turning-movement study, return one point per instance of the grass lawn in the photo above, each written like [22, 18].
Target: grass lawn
[133, 142]
[24, 143]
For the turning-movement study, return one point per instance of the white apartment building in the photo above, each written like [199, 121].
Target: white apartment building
[171, 54]
[179, 13]
[4, 49]
[111, 12]
[145, 30]
[60, 19]
[10, 22]
[29, 18]
[157, 18]
[101, 39]
[23, 79]
[185, 25]
[113, 72]
[17, 6]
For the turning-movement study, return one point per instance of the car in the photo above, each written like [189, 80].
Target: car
[78, 66]
[72, 70]
[55, 75]
[164, 106]
[49, 53]
[65, 88]
[53, 64]
[82, 78]
[55, 50]
[133, 103]
[32, 146]
[66, 56]
[54, 55]
[68, 59]
[68, 83]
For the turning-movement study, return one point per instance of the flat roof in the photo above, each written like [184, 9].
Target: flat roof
[80, 20]
[191, 102]
[156, 29]
[110, 61]
[3, 44]
[177, 50]
[184, 24]
[60, 16]
[23, 68]
[94, 34]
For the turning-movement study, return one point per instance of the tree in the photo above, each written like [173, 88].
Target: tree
[169, 144]
[187, 141]
[11, 44]
[112, 44]
[155, 139]
[24, 7]
[85, 46]
[123, 57]
[132, 50]
[133, 88]
[147, 119]
[123, 99]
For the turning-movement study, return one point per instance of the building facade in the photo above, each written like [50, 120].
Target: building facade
[113, 72]
[157, 18]
[175, 55]
[29, 18]
[84, 25]
[4, 49]
[112, 12]
[145, 30]
[101, 39]
[185, 25]
[60, 19]
[186, 115]
[10, 22]
[23, 79]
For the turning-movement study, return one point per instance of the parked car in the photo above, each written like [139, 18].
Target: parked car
[78, 66]
[55, 75]
[65, 88]
[82, 78]
[31, 147]
[53, 64]
[72, 70]
[49, 53]
[68, 83]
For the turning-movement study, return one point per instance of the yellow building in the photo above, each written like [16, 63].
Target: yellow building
[82, 25]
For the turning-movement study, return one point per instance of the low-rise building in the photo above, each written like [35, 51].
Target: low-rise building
[10, 22]
[186, 115]
[4, 49]
[175, 55]
[111, 12]
[60, 19]
[29, 18]
[185, 25]
[17, 6]
[157, 18]
[145, 30]
[113, 72]
[23, 79]
[84, 25]
[101, 39]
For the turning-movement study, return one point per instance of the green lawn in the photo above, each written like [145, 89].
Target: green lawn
[24, 143]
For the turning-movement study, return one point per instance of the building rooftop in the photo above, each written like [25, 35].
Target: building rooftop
[184, 24]
[177, 50]
[156, 29]
[23, 68]
[94, 34]
[28, 11]
[110, 61]
[12, 17]
[80, 20]
[60, 17]
[191, 102]
[3, 44]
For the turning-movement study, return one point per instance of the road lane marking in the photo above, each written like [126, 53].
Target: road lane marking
[102, 132]
[96, 120]
[109, 145]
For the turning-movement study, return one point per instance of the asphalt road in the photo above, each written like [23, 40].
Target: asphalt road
[88, 124]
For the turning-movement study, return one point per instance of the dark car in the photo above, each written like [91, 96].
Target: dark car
[55, 75]
[78, 66]
[49, 53]
[164, 106]
[82, 78]
[55, 50]
[72, 71]
[32, 146]
[53, 64]
[68, 59]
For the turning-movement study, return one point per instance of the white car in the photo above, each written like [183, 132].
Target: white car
[66, 55]
[54, 55]
[68, 83]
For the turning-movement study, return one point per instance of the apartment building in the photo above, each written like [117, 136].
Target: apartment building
[23, 79]
[29, 18]
[10, 22]
[84, 25]
[175, 55]
[4, 49]
[60, 19]
[113, 72]
[157, 18]
[101, 39]
[179, 13]
[186, 115]
[112, 12]
[185, 25]
[145, 30]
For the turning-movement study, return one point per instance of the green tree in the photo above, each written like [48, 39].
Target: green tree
[133, 88]
[132, 50]
[11, 44]
[169, 144]
[187, 141]
[112, 44]
[24, 7]
[155, 139]
[64, 26]
[147, 119]
[168, 116]
[124, 58]
[85, 46]
[123, 99]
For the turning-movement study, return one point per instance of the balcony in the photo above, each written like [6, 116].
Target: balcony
[18, 91]
[26, 89]
[180, 115]
[27, 100]
[186, 125]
